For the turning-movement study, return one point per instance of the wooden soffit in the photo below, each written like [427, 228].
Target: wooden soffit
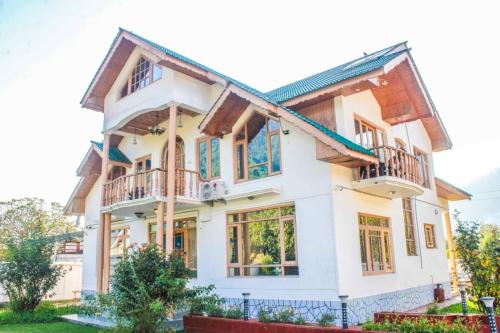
[450, 192]
[117, 56]
[76, 202]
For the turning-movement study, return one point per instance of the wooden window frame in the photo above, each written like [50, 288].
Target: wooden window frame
[184, 230]
[244, 142]
[152, 64]
[409, 226]
[239, 235]
[368, 124]
[368, 246]
[208, 141]
[426, 182]
[400, 144]
[430, 241]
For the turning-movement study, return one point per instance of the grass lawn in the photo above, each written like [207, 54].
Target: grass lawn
[58, 327]
[457, 308]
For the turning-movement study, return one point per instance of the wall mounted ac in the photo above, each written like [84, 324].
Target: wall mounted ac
[213, 190]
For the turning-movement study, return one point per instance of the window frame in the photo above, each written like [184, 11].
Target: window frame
[128, 83]
[400, 144]
[239, 234]
[368, 124]
[368, 246]
[408, 209]
[208, 141]
[430, 242]
[426, 182]
[244, 142]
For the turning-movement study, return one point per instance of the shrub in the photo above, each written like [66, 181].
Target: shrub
[45, 312]
[234, 312]
[265, 315]
[422, 325]
[326, 320]
[300, 321]
[215, 310]
[202, 300]
[284, 316]
[433, 309]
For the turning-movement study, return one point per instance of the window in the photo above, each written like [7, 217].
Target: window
[262, 242]
[184, 240]
[142, 178]
[143, 74]
[423, 170]
[116, 172]
[368, 135]
[430, 238]
[400, 144]
[257, 148]
[411, 248]
[119, 242]
[208, 158]
[375, 243]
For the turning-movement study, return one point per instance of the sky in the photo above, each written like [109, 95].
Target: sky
[50, 50]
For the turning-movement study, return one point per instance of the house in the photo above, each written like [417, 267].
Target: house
[316, 189]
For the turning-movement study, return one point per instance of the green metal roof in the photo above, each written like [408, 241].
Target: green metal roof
[337, 74]
[115, 154]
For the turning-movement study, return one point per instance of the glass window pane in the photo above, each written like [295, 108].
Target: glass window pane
[257, 147]
[203, 159]
[192, 263]
[261, 243]
[376, 250]
[156, 72]
[119, 241]
[273, 125]
[215, 158]
[258, 172]
[261, 214]
[148, 164]
[369, 137]
[233, 245]
[357, 130]
[362, 244]
[288, 210]
[387, 250]
[240, 163]
[289, 238]
[275, 153]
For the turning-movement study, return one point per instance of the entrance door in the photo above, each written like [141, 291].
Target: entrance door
[180, 186]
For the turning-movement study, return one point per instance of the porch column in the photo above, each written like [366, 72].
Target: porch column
[107, 252]
[100, 238]
[160, 212]
[172, 126]
[451, 247]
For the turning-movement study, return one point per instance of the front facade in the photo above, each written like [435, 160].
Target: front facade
[320, 188]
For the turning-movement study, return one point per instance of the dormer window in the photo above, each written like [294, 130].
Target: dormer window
[144, 73]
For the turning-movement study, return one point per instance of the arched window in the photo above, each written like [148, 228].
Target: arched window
[144, 73]
[257, 148]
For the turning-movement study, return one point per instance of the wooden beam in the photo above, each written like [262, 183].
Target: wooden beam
[100, 251]
[101, 258]
[107, 252]
[452, 251]
[172, 127]
[159, 223]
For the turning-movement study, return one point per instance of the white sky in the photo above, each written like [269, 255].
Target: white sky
[50, 50]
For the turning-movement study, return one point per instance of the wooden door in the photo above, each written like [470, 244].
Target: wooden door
[179, 166]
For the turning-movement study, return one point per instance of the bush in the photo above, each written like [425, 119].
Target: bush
[265, 315]
[326, 320]
[300, 321]
[234, 312]
[422, 325]
[202, 300]
[433, 309]
[27, 272]
[284, 316]
[215, 310]
[146, 288]
[45, 312]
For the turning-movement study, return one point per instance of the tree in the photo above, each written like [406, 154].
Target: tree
[479, 256]
[27, 272]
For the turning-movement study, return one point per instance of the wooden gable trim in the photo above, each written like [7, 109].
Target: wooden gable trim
[450, 192]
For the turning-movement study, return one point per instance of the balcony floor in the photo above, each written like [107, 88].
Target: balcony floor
[388, 187]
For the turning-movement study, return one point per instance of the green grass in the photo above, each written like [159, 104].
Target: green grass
[59, 327]
[457, 308]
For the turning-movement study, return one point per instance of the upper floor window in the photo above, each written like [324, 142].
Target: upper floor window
[423, 169]
[411, 248]
[208, 157]
[368, 135]
[116, 172]
[257, 148]
[430, 237]
[143, 74]
[262, 242]
[375, 243]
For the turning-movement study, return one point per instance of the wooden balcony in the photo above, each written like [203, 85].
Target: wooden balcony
[397, 174]
[137, 193]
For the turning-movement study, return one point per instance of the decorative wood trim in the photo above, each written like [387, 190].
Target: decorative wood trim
[430, 236]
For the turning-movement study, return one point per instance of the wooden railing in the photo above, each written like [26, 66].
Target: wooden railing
[393, 162]
[150, 183]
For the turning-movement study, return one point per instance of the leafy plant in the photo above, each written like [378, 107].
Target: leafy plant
[45, 312]
[203, 300]
[300, 321]
[477, 249]
[433, 309]
[421, 325]
[326, 320]
[265, 315]
[284, 316]
[234, 312]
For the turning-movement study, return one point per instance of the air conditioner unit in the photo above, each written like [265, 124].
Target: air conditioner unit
[213, 190]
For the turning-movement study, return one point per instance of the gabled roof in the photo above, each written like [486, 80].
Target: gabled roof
[450, 192]
[363, 65]
[115, 154]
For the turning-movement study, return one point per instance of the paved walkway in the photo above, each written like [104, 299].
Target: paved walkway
[450, 301]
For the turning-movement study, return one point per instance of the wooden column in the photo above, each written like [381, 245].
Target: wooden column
[101, 231]
[172, 126]
[107, 252]
[452, 252]
[160, 212]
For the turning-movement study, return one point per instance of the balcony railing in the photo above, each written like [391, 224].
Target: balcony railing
[393, 162]
[149, 184]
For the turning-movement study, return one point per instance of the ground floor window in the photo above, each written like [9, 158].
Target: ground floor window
[184, 240]
[119, 241]
[430, 237]
[262, 242]
[375, 242]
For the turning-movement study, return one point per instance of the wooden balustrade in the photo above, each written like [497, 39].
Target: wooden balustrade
[393, 162]
[150, 183]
